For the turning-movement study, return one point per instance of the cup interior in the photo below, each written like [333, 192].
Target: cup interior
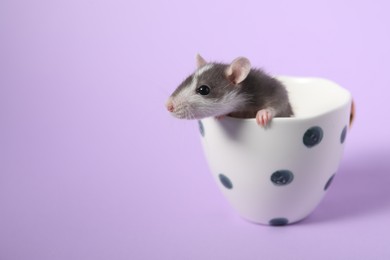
[311, 97]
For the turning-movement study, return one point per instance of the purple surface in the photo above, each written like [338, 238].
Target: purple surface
[93, 167]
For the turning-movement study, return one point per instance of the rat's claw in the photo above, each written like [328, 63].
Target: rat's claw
[264, 116]
[220, 117]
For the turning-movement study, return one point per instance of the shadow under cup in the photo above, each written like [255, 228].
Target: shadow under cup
[279, 174]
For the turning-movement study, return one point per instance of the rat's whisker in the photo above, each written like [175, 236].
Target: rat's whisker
[227, 85]
[192, 114]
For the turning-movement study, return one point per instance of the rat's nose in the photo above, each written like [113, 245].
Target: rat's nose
[170, 106]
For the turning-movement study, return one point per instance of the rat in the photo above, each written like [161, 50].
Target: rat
[235, 89]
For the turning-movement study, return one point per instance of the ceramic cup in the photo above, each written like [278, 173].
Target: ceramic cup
[279, 174]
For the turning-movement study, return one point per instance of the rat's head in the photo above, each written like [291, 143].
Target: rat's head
[212, 90]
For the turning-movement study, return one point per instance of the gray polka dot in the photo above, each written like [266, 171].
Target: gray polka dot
[225, 181]
[282, 177]
[343, 134]
[201, 128]
[278, 222]
[329, 182]
[313, 136]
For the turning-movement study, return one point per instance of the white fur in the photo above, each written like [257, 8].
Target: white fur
[232, 101]
[202, 70]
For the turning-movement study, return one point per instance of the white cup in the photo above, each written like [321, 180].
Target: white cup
[279, 174]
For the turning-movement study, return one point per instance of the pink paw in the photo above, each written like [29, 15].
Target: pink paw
[264, 116]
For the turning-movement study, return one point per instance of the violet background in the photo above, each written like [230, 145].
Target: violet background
[93, 167]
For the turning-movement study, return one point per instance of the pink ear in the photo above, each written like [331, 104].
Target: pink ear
[238, 70]
[200, 62]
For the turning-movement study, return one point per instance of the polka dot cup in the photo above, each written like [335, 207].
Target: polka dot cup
[278, 175]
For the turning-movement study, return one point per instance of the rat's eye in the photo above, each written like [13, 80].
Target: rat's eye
[203, 90]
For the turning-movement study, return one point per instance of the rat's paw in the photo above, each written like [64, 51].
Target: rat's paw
[264, 116]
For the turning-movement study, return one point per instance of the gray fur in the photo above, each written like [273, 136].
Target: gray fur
[265, 92]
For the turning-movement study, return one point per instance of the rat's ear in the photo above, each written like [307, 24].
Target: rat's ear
[200, 62]
[238, 70]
